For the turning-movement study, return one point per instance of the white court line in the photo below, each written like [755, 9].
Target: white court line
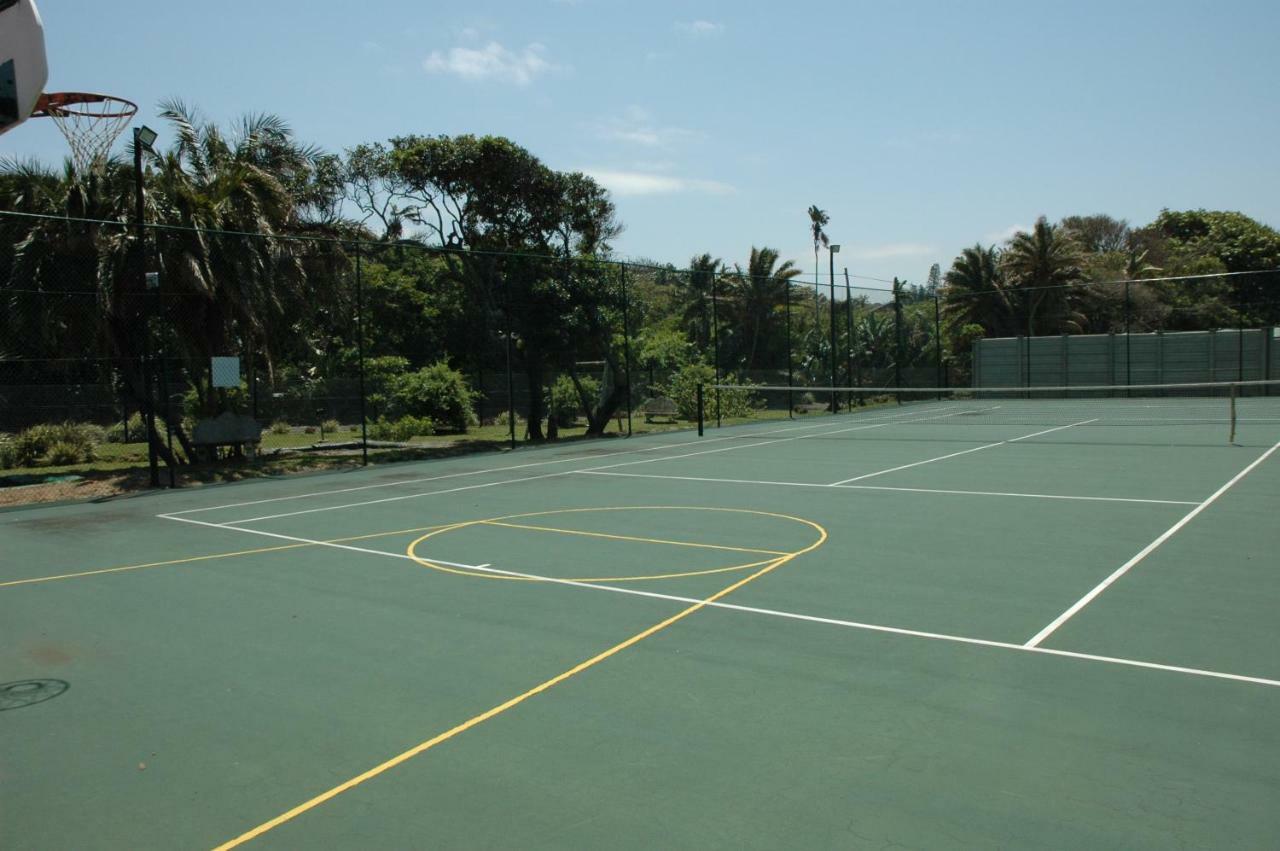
[330, 544]
[420, 479]
[957, 454]
[482, 485]
[888, 488]
[1146, 551]
[775, 613]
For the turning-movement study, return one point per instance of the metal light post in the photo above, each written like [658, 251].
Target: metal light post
[145, 137]
[832, 251]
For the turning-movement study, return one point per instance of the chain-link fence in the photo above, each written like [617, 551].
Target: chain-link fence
[1158, 330]
[131, 357]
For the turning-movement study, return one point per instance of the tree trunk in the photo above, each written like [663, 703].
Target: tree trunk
[533, 381]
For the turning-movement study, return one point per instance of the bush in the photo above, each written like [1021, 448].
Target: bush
[329, 426]
[401, 430]
[8, 457]
[114, 433]
[280, 427]
[563, 402]
[63, 452]
[504, 419]
[683, 390]
[63, 443]
[237, 400]
[308, 429]
[437, 392]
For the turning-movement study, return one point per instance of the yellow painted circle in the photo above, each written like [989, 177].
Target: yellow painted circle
[775, 555]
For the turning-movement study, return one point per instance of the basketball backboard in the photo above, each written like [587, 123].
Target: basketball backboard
[24, 69]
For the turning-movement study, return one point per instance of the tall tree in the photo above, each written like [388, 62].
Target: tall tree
[523, 225]
[1041, 266]
[818, 221]
[695, 298]
[759, 293]
[975, 293]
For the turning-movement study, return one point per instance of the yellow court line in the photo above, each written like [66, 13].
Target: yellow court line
[633, 538]
[37, 579]
[517, 700]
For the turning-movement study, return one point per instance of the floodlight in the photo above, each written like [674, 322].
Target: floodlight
[145, 136]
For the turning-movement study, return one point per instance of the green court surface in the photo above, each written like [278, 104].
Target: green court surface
[849, 631]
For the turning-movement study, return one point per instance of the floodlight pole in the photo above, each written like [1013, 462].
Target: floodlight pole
[153, 465]
[848, 333]
[832, 250]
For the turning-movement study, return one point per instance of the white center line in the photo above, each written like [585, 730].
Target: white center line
[1146, 551]
[958, 454]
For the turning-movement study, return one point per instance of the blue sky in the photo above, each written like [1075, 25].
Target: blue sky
[920, 127]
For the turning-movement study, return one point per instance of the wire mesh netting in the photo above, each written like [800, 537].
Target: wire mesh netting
[189, 355]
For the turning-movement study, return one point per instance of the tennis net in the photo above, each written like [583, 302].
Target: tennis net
[1230, 406]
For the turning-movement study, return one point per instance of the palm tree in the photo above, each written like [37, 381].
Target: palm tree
[758, 294]
[695, 297]
[238, 292]
[818, 220]
[975, 293]
[1042, 265]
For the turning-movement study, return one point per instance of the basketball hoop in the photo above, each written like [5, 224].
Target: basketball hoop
[91, 123]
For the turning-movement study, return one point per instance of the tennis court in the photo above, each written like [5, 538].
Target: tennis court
[954, 622]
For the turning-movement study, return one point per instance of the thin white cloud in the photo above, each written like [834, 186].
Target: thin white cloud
[493, 62]
[890, 251]
[700, 29]
[628, 184]
[1007, 233]
[637, 126]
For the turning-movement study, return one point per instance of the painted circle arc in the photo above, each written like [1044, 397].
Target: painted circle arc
[758, 556]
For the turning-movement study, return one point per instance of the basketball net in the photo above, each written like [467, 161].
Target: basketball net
[91, 124]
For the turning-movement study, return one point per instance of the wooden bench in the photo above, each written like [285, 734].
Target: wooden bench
[228, 429]
[660, 407]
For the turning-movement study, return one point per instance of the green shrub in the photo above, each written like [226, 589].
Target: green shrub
[235, 399]
[74, 441]
[114, 433]
[437, 392]
[401, 430]
[280, 427]
[63, 452]
[504, 419]
[8, 457]
[329, 426]
[563, 402]
[683, 390]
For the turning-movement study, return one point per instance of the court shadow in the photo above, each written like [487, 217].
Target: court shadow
[20, 693]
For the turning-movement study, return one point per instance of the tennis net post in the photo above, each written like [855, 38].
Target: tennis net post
[701, 412]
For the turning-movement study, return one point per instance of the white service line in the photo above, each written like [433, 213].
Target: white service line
[957, 454]
[775, 613]
[1040, 636]
[895, 489]
[482, 485]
